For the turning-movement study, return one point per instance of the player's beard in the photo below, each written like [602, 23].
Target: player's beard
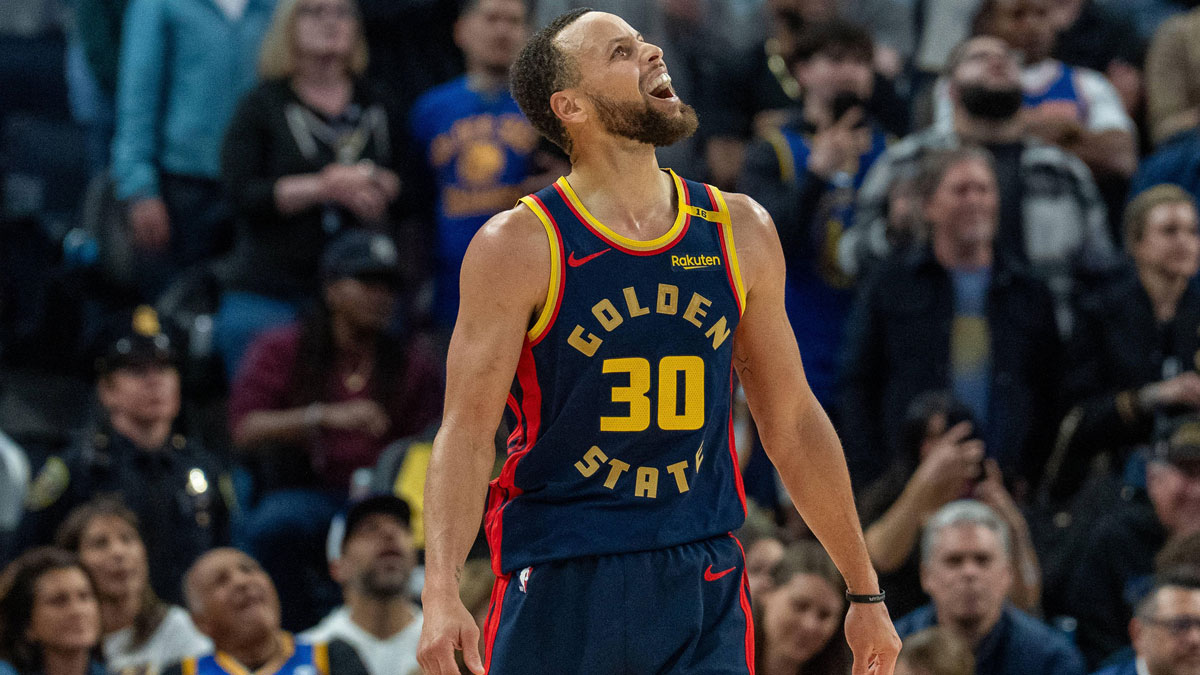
[643, 123]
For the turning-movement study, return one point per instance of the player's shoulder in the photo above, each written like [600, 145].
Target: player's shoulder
[751, 222]
[510, 243]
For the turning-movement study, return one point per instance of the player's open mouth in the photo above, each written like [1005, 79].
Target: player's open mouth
[660, 87]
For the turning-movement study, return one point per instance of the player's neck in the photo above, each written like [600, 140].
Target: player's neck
[381, 617]
[623, 187]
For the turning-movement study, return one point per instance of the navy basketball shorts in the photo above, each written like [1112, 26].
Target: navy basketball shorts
[684, 609]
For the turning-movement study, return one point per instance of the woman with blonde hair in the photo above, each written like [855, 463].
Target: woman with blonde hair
[314, 149]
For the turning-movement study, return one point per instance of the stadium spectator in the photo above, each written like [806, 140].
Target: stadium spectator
[948, 315]
[476, 143]
[1132, 359]
[1165, 629]
[1052, 219]
[1115, 568]
[376, 561]
[49, 617]
[232, 600]
[799, 624]
[1070, 106]
[965, 553]
[183, 68]
[764, 549]
[319, 399]
[805, 174]
[1096, 36]
[313, 150]
[1172, 65]
[141, 632]
[935, 651]
[940, 459]
[176, 488]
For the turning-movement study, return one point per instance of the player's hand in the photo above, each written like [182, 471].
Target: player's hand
[872, 638]
[150, 224]
[358, 415]
[448, 627]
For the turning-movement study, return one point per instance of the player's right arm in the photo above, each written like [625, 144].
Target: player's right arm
[504, 281]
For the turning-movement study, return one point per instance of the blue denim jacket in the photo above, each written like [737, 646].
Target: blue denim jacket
[184, 66]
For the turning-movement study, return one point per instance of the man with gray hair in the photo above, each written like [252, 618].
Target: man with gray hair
[233, 602]
[965, 567]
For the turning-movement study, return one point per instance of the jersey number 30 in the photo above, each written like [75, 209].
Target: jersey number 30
[670, 416]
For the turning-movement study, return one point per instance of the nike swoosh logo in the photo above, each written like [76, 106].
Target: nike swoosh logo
[710, 576]
[576, 262]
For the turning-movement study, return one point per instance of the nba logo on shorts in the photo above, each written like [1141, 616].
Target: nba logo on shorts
[304, 670]
[523, 579]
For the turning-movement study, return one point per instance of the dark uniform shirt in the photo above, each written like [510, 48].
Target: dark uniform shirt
[180, 496]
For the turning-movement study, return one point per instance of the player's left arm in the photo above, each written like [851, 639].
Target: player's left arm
[797, 434]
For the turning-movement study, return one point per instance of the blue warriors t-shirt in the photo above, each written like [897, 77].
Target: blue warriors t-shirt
[620, 406]
[479, 148]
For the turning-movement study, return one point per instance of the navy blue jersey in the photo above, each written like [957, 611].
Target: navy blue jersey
[620, 406]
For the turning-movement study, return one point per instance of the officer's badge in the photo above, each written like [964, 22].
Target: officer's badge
[145, 321]
[50, 484]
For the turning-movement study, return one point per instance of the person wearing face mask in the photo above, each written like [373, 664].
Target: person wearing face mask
[49, 617]
[798, 624]
[1052, 219]
[141, 632]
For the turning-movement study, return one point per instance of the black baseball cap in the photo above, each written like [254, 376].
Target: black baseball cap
[358, 254]
[134, 340]
[380, 503]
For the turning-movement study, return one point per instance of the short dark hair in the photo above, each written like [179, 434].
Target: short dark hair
[542, 69]
[836, 38]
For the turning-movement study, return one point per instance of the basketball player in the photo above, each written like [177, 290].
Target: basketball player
[608, 311]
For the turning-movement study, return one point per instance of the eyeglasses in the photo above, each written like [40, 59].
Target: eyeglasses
[332, 11]
[1177, 626]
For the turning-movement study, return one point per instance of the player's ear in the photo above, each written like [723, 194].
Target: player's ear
[568, 107]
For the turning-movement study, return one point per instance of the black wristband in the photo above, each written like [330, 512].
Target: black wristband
[867, 598]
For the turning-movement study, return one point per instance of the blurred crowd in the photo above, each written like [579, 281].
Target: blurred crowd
[230, 235]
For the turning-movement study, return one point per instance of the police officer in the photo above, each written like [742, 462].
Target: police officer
[173, 485]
